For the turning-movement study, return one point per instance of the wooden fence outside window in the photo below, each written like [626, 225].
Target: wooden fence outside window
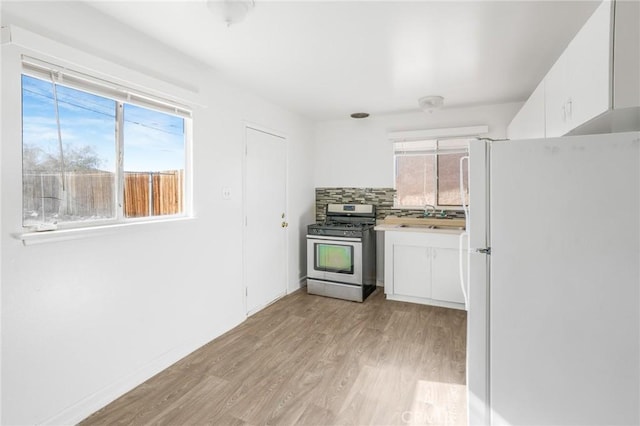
[91, 195]
[153, 193]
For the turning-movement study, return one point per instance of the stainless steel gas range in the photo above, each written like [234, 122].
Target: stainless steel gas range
[341, 253]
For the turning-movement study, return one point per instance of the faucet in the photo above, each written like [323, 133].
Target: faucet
[426, 210]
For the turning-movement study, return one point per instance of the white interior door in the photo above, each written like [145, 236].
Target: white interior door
[265, 219]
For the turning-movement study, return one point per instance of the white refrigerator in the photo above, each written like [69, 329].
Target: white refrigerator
[553, 281]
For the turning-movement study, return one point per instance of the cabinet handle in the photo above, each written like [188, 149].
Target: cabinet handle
[570, 108]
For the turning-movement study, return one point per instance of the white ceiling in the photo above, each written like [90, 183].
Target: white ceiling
[327, 59]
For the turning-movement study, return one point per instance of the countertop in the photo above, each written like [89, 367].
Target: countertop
[395, 227]
[434, 225]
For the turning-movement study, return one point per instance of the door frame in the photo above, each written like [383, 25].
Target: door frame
[246, 125]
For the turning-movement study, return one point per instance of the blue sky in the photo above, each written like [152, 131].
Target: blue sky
[153, 141]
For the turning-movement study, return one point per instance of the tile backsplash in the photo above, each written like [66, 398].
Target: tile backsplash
[382, 198]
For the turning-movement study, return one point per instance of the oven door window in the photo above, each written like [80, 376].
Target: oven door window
[334, 258]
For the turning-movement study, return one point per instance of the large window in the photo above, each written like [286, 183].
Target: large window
[428, 173]
[94, 152]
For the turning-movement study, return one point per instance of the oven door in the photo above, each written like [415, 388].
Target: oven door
[337, 259]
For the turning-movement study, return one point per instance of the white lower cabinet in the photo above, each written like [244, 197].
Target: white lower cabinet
[445, 275]
[411, 271]
[423, 267]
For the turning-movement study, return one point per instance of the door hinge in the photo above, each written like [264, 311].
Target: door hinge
[484, 250]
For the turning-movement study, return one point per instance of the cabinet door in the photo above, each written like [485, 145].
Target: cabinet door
[529, 122]
[556, 95]
[589, 65]
[445, 275]
[626, 52]
[411, 271]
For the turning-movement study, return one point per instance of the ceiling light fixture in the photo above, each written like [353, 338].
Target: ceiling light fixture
[430, 103]
[231, 11]
[360, 115]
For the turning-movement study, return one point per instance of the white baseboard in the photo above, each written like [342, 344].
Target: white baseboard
[77, 412]
[422, 301]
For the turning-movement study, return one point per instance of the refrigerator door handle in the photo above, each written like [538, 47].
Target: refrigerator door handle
[461, 268]
[465, 207]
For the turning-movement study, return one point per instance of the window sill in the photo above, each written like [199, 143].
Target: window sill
[30, 238]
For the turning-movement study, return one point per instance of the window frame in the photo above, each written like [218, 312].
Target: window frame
[121, 95]
[435, 151]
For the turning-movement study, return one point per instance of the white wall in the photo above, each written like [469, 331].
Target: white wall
[85, 320]
[357, 153]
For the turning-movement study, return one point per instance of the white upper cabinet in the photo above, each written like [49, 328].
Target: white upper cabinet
[578, 86]
[529, 123]
[590, 63]
[555, 99]
[626, 78]
[597, 72]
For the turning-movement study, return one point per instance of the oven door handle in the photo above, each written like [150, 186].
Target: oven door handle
[334, 238]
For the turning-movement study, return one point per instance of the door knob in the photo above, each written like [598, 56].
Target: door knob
[284, 224]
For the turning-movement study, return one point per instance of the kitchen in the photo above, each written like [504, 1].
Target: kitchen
[76, 316]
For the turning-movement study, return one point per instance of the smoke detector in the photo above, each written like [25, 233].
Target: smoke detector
[430, 103]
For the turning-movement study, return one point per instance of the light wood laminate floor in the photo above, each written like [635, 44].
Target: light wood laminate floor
[317, 361]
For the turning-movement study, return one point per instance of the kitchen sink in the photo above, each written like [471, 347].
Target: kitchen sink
[421, 226]
[425, 224]
[447, 217]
